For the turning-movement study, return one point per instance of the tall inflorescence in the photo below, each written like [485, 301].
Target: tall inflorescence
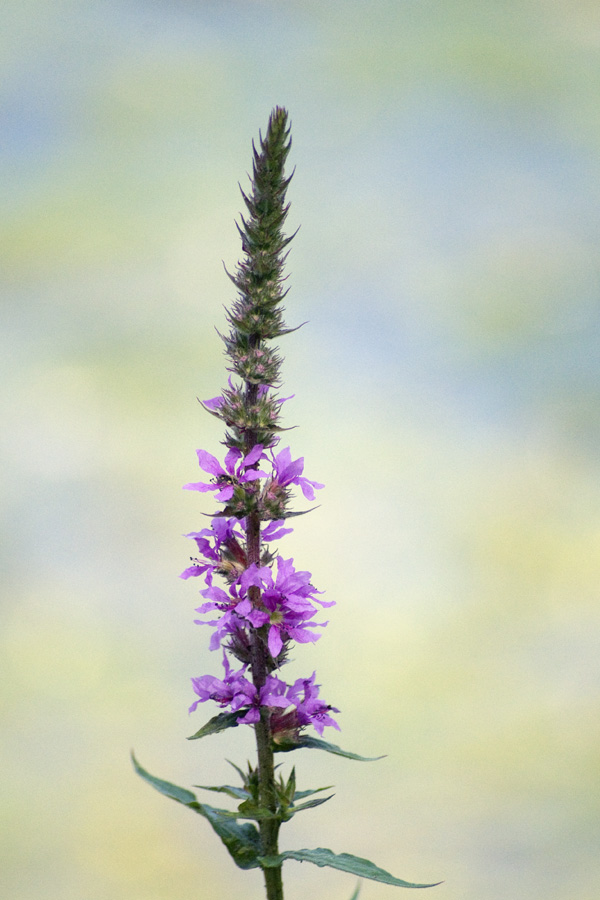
[257, 603]
[262, 610]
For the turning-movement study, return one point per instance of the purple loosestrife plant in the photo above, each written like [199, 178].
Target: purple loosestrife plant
[257, 602]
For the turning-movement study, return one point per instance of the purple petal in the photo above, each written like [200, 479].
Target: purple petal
[306, 488]
[255, 577]
[275, 700]
[275, 530]
[210, 463]
[253, 456]
[303, 636]
[257, 618]
[275, 642]
[199, 486]
[192, 571]
[243, 608]
[231, 459]
[250, 718]
[252, 475]
[215, 641]
[214, 403]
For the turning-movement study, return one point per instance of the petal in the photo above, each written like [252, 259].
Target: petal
[210, 463]
[199, 486]
[253, 475]
[214, 403]
[257, 618]
[282, 460]
[243, 608]
[215, 641]
[275, 642]
[250, 718]
[303, 636]
[192, 571]
[231, 459]
[274, 700]
[307, 487]
[273, 531]
[253, 456]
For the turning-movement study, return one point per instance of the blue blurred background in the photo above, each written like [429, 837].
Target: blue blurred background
[447, 391]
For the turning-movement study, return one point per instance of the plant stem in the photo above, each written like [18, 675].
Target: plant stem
[269, 829]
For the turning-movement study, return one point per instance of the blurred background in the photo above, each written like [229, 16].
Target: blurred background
[447, 391]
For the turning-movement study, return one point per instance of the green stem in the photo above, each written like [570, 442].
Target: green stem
[269, 829]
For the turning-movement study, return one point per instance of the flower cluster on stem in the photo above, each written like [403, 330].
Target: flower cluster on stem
[263, 603]
[257, 603]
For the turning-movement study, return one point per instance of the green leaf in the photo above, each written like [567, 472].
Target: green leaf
[238, 770]
[310, 803]
[303, 512]
[235, 792]
[253, 812]
[182, 795]
[242, 841]
[343, 861]
[290, 788]
[217, 724]
[305, 741]
[299, 795]
[249, 809]
[356, 892]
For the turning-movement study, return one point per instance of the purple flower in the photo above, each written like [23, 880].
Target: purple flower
[288, 471]
[304, 694]
[287, 603]
[235, 608]
[272, 694]
[226, 477]
[210, 542]
[234, 690]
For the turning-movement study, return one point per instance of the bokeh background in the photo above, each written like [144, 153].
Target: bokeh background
[447, 391]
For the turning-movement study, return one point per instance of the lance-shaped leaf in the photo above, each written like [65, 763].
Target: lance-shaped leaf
[251, 812]
[302, 512]
[356, 892]
[217, 724]
[300, 795]
[182, 795]
[305, 741]
[242, 841]
[292, 810]
[343, 861]
[232, 791]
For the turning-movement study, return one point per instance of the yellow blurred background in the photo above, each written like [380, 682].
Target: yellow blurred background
[447, 389]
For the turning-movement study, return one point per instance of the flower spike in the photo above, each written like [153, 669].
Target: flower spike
[258, 605]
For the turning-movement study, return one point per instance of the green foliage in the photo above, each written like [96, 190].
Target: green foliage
[343, 861]
[305, 741]
[242, 841]
[235, 792]
[217, 724]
